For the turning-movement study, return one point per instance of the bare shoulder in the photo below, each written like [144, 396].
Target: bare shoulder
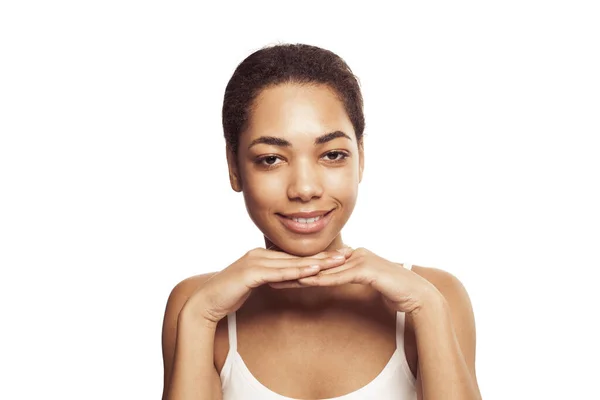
[460, 307]
[184, 289]
[180, 295]
[444, 281]
[453, 291]
[177, 298]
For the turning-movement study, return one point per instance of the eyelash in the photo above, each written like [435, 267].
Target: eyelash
[259, 161]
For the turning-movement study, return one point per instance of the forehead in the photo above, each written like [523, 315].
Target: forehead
[294, 112]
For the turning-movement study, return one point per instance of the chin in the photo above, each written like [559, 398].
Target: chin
[302, 247]
[306, 251]
[298, 244]
[306, 247]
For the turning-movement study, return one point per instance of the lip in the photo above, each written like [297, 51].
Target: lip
[307, 214]
[312, 227]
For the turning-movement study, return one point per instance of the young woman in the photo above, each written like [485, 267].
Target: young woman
[307, 317]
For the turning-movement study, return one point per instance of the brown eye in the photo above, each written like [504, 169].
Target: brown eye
[336, 156]
[267, 161]
[270, 160]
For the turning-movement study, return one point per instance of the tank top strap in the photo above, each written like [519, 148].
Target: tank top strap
[400, 321]
[232, 331]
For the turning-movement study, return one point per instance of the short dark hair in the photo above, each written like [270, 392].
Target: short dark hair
[288, 63]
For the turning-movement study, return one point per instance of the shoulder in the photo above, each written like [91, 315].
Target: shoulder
[459, 306]
[177, 298]
[179, 295]
[445, 282]
[454, 293]
[184, 289]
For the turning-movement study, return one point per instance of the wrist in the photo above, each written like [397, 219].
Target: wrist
[432, 303]
[195, 314]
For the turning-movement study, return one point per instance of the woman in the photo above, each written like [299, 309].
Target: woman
[307, 317]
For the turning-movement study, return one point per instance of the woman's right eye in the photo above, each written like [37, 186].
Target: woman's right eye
[267, 161]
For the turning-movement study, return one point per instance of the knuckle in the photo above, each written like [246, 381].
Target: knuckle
[363, 271]
[282, 274]
[248, 275]
[252, 255]
[253, 252]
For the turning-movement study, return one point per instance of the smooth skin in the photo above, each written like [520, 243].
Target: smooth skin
[321, 318]
[200, 303]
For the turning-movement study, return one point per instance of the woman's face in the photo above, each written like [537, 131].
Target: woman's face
[299, 154]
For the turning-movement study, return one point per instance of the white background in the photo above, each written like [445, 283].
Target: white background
[481, 159]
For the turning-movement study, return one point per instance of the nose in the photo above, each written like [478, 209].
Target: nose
[305, 182]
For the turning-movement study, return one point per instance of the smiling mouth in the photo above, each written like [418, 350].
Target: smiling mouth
[306, 225]
[307, 220]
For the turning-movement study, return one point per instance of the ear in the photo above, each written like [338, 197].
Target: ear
[234, 176]
[361, 162]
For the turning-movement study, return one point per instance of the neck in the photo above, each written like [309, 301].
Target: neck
[312, 299]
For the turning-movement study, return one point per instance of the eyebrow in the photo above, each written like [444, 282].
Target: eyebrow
[275, 141]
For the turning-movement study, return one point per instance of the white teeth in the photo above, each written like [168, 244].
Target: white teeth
[306, 220]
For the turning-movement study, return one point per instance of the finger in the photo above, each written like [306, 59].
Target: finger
[346, 251]
[324, 271]
[357, 274]
[339, 268]
[286, 285]
[258, 276]
[325, 263]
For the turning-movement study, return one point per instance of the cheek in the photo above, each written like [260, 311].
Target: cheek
[341, 188]
[342, 180]
[261, 192]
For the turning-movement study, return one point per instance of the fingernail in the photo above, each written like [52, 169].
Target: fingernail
[338, 256]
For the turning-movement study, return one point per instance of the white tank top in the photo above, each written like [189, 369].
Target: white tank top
[394, 382]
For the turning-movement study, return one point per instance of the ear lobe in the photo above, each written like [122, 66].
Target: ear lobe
[234, 180]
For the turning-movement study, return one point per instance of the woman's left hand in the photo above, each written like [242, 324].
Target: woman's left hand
[401, 289]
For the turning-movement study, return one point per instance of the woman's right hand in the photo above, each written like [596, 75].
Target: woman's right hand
[227, 290]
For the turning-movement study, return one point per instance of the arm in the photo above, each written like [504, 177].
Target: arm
[188, 348]
[445, 333]
[196, 306]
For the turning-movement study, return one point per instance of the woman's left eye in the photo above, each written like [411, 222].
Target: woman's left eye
[334, 156]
